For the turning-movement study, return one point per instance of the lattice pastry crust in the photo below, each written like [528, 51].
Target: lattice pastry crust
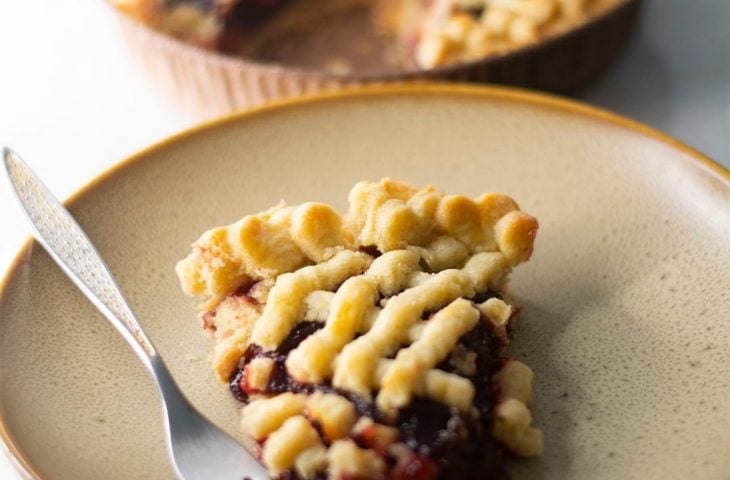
[450, 31]
[333, 328]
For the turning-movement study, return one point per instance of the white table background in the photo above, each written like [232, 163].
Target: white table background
[73, 101]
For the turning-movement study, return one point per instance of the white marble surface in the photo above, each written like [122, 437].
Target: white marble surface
[73, 101]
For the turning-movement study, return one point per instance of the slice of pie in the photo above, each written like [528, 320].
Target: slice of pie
[371, 345]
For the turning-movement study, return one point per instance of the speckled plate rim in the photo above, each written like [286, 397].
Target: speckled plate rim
[23, 464]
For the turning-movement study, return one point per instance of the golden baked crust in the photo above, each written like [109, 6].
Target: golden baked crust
[387, 215]
[187, 21]
[452, 31]
[391, 289]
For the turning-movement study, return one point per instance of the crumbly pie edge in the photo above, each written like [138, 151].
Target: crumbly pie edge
[386, 215]
[308, 263]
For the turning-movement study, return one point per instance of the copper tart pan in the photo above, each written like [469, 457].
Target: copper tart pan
[212, 84]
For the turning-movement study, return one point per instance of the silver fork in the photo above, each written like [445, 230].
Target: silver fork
[198, 449]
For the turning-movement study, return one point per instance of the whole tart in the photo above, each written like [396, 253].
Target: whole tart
[426, 33]
[371, 345]
[259, 50]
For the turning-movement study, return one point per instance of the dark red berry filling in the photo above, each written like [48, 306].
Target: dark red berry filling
[445, 443]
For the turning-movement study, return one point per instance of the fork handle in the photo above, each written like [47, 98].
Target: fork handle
[71, 249]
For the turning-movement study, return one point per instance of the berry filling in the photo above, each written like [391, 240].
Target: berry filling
[443, 443]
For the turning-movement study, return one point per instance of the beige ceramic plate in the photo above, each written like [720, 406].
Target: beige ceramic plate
[626, 301]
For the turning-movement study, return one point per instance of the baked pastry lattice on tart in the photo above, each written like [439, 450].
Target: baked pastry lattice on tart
[445, 32]
[371, 345]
